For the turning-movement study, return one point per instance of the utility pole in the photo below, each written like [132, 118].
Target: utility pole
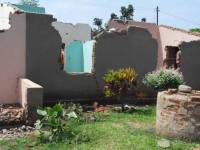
[157, 13]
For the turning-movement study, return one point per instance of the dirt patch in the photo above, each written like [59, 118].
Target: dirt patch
[15, 132]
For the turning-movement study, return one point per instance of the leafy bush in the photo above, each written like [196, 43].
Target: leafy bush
[163, 79]
[118, 82]
[55, 120]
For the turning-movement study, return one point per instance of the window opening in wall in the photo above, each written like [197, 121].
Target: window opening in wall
[172, 57]
[78, 57]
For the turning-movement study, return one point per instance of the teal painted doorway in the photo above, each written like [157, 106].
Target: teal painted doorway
[74, 57]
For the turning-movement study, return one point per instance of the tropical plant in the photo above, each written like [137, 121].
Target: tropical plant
[55, 119]
[119, 82]
[163, 79]
[30, 2]
[113, 16]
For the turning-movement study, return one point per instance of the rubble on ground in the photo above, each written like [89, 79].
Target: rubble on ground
[12, 114]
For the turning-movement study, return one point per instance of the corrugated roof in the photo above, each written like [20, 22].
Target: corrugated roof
[31, 9]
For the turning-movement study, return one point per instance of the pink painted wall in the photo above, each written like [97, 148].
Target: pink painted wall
[12, 58]
[173, 37]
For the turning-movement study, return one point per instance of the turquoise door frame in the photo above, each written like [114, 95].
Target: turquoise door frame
[88, 56]
[78, 57]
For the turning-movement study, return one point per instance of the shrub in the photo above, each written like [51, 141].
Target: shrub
[55, 120]
[118, 82]
[163, 79]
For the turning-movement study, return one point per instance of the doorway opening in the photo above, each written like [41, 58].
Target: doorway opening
[171, 57]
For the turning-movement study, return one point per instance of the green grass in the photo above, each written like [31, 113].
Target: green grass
[117, 131]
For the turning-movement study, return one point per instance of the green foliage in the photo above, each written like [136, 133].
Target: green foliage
[113, 16]
[98, 22]
[163, 79]
[143, 20]
[118, 82]
[30, 2]
[55, 120]
[127, 13]
[119, 131]
[195, 30]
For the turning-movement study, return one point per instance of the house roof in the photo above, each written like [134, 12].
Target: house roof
[181, 30]
[120, 25]
[30, 9]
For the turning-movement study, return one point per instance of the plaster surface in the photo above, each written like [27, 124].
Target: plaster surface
[12, 58]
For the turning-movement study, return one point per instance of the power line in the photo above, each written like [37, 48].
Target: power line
[180, 18]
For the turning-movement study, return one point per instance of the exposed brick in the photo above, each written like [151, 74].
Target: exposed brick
[178, 115]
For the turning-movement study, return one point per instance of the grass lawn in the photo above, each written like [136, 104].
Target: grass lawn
[117, 131]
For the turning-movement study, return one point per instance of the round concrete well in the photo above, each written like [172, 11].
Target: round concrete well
[178, 114]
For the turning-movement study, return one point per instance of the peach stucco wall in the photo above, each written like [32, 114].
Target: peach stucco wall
[12, 58]
[172, 37]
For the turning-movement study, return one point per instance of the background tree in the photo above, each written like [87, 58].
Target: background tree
[98, 22]
[123, 13]
[113, 16]
[127, 13]
[195, 30]
[30, 2]
[143, 20]
[130, 10]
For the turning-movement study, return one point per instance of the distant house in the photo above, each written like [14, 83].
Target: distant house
[168, 38]
[6, 9]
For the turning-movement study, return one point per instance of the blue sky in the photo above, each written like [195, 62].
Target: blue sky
[177, 13]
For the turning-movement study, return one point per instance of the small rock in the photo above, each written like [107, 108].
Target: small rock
[23, 128]
[4, 131]
[163, 143]
[117, 109]
[184, 89]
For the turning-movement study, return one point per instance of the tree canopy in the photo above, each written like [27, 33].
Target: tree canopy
[195, 30]
[127, 13]
[113, 16]
[143, 20]
[98, 22]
